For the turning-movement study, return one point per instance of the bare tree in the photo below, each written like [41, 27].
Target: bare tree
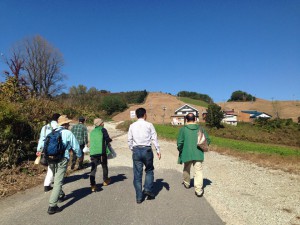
[42, 65]
[15, 62]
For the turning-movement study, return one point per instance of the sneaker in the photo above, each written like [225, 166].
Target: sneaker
[93, 188]
[47, 188]
[80, 168]
[149, 195]
[61, 198]
[52, 210]
[139, 201]
[106, 182]
[187, 186]
[199, 195]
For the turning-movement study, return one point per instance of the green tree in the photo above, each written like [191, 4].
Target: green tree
[195, 95]
[241, 96]
[112, 103]
[214, 116]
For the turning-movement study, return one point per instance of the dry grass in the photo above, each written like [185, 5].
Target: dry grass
[277, 162]
[21, 178]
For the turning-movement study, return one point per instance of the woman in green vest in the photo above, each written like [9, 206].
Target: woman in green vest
[99, 140]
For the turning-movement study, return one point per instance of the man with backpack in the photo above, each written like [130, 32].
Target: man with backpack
[47, 129]
[190, 154]
[57, 146]
[80, 132]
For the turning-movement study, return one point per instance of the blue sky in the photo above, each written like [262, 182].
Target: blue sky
[210, 47]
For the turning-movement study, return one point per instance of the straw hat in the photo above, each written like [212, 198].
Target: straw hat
[63, 119]
[98, 122]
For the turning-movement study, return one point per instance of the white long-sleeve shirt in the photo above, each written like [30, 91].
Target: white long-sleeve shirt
[47, 129]
[142, 133]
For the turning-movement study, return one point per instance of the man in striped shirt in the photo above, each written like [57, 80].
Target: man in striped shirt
[80, 132]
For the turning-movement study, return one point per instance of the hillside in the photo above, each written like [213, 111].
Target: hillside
[284, 109]
[155, 102]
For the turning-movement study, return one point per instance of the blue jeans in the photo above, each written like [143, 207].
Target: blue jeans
[142, 156]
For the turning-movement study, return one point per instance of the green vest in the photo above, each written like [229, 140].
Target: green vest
[96, 142]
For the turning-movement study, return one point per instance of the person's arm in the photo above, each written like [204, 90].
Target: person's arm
[155, 141]
[106, 136]
[41, 141]
[85, 135]
[130, 138]
[180, 140]
[74, 145]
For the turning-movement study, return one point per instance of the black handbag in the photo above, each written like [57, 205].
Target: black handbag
[44, 160]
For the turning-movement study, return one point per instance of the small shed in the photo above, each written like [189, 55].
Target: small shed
[250, 115]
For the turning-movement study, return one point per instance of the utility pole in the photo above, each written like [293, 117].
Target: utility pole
[164, 109]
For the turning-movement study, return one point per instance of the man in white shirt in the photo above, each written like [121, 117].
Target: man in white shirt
[140, 136]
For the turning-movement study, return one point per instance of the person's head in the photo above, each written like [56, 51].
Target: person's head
[140, 113]
[64, 121]
[190, 117]
[98, 122]
[81, 119]
[55, 117]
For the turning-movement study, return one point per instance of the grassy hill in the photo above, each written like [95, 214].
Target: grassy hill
[191, 101]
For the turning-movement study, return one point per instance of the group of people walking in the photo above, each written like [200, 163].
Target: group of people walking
[141, 136]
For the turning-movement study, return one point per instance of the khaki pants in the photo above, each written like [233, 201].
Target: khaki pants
[198, 175]
[59, 170]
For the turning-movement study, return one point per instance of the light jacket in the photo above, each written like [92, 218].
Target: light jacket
[47, 129]
[187, 144]
[70, 142]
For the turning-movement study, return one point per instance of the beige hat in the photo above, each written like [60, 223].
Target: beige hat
[98, 122]
[63, 119]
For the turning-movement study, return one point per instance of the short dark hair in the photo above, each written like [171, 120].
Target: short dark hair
[81, 119]
[140, 112]
[190, 117]
[55, 116]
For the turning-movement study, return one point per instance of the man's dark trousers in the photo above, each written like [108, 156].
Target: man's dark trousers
[142, 156]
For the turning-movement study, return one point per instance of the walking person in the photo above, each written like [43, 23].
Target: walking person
[58, 163]
[99, 141]
[48, 128]
[140, 136]
[81, 133]
[190, 154]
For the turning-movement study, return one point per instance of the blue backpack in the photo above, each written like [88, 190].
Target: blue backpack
[54, 148]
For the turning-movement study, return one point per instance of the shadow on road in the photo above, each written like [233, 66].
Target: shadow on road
[158, 185]
[76, 177]
[76, 195]
[118, 178]
[206, 182]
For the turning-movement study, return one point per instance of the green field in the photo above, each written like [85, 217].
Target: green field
[171, 133]
[193, 101]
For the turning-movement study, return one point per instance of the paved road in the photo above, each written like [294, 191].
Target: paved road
[113, 204]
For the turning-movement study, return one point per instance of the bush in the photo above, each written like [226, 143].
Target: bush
[113, 104]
